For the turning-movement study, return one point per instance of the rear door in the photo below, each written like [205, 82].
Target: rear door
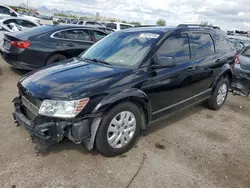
[74, 41]
[206, 58]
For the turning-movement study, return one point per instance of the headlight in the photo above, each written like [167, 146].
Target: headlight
[62, 109]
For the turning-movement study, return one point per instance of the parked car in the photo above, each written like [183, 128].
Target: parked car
[118, 26]
[119, 86]
[241, 79]
[6, 11]
[239, 42]
[45, 45]
[23, 22]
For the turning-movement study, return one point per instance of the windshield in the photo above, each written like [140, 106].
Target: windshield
[126, 49]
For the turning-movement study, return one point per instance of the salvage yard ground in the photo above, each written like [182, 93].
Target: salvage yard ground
[195, 148]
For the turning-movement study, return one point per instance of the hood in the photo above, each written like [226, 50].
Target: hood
[70, 79]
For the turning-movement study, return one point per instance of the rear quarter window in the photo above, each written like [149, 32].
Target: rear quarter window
[202, 44]
[222, 44]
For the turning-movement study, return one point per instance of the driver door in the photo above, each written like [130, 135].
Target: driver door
[169, 88]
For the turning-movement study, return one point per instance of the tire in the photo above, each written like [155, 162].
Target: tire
[212, 102]
[55, 58]
[104, 132]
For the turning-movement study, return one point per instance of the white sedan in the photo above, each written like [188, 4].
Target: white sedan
[6, 11]
[24, 23]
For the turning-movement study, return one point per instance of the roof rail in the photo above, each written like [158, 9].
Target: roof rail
[198, 25]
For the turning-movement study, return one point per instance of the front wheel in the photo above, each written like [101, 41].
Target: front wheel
[119, 129]
[219, 95]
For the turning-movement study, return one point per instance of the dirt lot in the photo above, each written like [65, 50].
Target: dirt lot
[195, 148]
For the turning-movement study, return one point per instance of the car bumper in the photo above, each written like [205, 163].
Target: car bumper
[48, 130]
[14, 60]
[241, 81]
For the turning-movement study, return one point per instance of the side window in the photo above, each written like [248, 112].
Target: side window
[4, 10]
[6, 22]
[90, 23]
[202, 44]
[176, 46]
[122, 26]
[25, 23]
[78, 34]
[222, 44]
[80, 23]
[60, 35]
[112, 25]
[99, 35]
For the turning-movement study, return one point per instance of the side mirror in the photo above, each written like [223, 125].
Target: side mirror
[163, 62]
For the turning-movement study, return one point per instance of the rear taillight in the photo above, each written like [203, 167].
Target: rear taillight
[237, 61]
[20, 44]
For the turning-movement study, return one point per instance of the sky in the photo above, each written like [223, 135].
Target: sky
[228, 14]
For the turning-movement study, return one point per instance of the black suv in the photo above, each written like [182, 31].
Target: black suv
[111, 93]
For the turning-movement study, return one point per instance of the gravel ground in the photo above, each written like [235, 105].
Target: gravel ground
[195, 148]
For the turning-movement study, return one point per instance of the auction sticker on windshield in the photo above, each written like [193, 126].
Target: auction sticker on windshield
[149, 35]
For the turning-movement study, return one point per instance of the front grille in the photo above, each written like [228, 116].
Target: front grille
[33, 100]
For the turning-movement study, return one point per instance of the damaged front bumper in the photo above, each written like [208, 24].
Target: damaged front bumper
[46, 131]
[241, 81]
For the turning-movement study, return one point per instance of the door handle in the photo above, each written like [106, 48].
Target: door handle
[190, 69]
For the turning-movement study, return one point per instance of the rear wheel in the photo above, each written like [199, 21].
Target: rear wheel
[119, 129]
[55, 58]
[219, 95]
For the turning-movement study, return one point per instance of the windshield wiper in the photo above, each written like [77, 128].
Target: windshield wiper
[97, 61]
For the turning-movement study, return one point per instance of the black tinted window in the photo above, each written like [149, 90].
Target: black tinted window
[122, 26]
[74, 34]
[202, 44]
[20, 22]
[112, 25]
[222, 44]
[6, 22]
[90, 23]
[176, 46]
[99, 35]
[4, 10]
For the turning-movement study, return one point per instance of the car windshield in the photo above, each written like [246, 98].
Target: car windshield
[126, 49]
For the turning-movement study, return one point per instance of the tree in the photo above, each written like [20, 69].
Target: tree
[161, 22]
